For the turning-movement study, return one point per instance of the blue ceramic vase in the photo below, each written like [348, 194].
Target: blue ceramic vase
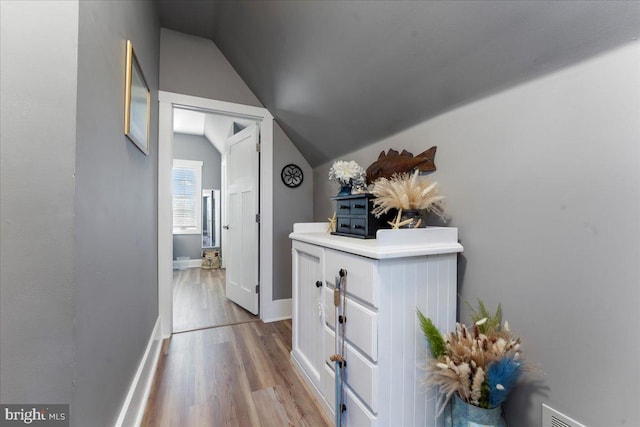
[463, 414]
[345, 190]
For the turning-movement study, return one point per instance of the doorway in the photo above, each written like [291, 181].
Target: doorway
[169, 101]
[205, 293]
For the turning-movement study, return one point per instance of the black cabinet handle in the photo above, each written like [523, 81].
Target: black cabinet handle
[318, 284]
[359, 206]
[344, 225]
[358, 227]
[343, 206]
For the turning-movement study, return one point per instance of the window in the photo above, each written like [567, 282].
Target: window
[187, 196]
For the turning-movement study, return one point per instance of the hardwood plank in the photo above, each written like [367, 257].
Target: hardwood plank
[251, 352]
[270, 409]
[199, 301]
[202, 414]
[291, 386]
[236, 375]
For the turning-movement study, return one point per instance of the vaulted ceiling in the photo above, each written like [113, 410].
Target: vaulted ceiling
[338, 75]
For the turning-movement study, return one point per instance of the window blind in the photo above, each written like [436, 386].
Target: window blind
[187, 199]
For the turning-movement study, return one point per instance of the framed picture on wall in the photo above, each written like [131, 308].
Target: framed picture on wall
[137, 107]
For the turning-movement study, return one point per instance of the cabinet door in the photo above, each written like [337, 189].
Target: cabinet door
[308, 281]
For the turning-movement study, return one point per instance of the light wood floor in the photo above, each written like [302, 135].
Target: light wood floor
[236, 375]
[199, 301]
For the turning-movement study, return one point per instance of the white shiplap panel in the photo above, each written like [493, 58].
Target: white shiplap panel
[420, 395]
[396, 338]
[385, 344]
[408, 284]
[408, 289]
[445, 291]
[305, 339]
[307, 330]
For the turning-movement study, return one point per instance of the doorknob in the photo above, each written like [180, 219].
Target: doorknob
[226, 227]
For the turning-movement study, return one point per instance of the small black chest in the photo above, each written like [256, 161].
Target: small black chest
[354, 217]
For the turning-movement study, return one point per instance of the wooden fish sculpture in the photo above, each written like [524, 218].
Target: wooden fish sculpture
[393, 162]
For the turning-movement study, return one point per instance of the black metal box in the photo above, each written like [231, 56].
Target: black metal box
[354, 217]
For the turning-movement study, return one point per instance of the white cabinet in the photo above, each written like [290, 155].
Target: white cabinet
[387, 280]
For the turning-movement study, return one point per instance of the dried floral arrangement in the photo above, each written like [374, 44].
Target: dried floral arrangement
[481, 364]
[405, 191]
[347, 173]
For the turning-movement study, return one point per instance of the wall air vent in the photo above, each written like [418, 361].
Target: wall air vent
[553, 418]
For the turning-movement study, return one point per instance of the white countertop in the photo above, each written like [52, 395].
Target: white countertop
[387, 244]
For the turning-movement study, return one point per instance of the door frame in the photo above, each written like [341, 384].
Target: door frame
[269, 309]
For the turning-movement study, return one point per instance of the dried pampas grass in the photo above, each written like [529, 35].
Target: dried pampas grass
[405, 191]
[481, 363]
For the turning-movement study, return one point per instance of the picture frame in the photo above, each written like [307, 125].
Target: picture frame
[137, 107]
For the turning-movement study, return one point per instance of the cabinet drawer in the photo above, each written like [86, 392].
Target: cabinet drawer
[343, 225]
[359, 226]
[357, 414]
[362, 324]
[343, 207]
[361, 375]
[359, 206]
[361, 274]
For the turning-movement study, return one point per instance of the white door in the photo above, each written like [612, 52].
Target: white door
[241, 235]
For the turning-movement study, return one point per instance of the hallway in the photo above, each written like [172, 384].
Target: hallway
[237, 375]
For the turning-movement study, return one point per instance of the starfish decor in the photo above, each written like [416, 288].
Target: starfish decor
[332, 224]
[396, 223]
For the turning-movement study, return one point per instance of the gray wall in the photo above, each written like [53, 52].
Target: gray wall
[38, 80]
[79, 206]
[543, 182]
[194, 66]
[298, 203]
[195, 147]
[115, 209]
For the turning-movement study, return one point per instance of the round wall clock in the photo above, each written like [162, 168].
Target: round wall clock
[292, 175]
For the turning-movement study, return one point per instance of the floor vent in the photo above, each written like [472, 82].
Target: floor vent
[553, 418]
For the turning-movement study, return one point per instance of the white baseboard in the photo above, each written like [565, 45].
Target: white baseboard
[277, 319]
[277, 310]
[191, 263]
[134, 404]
